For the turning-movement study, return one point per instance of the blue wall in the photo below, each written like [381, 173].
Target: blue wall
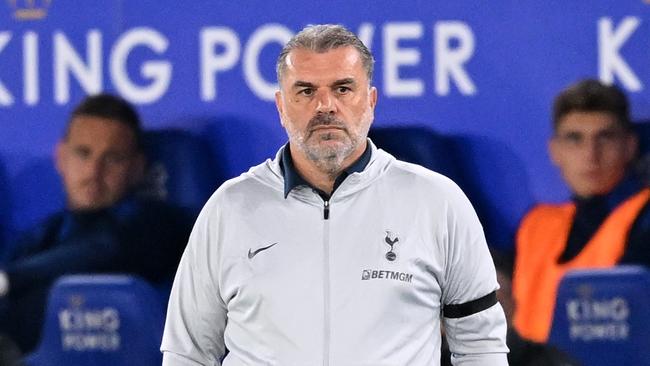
[482, 72]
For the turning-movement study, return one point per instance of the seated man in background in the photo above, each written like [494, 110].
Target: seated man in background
[607, 221]
[104, 227]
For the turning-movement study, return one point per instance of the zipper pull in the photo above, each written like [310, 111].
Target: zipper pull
[326, 209]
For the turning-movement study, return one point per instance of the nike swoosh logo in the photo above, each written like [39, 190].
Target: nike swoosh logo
[251, 254]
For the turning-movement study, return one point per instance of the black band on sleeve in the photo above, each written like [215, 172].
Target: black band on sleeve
[469, 308]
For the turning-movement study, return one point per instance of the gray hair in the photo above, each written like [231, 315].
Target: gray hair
[322, 38]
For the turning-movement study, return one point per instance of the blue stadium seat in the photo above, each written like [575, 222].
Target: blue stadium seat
[101, 320]
[602, 316]
[4, 213]
[418, 145]
[497, 182]
[238, 142]
[34, 193]
[181, 168]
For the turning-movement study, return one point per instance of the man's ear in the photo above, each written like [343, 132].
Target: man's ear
[59, 156]
[553, 151]
[279, 106]
[373, 97]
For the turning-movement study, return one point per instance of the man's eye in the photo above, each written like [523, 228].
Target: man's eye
[116, 158]
[82, 153]
[342, 89]
[572, 138]
[608, 136]
[306, 91]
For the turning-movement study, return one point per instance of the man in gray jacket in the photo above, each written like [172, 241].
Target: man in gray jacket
[334, 253]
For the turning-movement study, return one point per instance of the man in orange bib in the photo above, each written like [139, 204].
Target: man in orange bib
[607, 221]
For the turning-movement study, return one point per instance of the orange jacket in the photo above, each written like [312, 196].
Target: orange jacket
[541, 239]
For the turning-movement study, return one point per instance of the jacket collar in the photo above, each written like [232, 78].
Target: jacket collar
[270, 174]
[293, 179]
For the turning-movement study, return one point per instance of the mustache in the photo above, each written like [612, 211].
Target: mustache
[325, 119]
[90, 181]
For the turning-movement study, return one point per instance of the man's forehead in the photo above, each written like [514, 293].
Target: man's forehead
[303, 61]
[348, 52]
[89, 123]
[588, 121]
[100, 132]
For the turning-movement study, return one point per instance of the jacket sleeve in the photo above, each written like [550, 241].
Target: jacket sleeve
[196, 314]
[474, 322]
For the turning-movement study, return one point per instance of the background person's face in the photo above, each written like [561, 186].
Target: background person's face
[326, 105]
[98, 162]
[592, 151]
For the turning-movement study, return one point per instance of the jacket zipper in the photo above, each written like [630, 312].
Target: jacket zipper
[326, 209]
[326, 284]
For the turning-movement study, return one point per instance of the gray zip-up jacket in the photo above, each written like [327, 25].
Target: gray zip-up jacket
[275, 282]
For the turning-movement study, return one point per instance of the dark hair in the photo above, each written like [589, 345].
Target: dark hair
[111, 107]
[322, 38]
[592, 96]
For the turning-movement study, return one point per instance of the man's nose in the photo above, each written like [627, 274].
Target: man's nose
[592, 149]
[325, 103]
[95, 167]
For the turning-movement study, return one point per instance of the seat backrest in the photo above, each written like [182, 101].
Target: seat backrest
[602, 316]
[101, 320]
[497, 183]
[418, 145]
[181, 168]
[4, 213]
[34, 192]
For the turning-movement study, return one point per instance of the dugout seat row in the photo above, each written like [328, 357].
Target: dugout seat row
[602, 318]
[185, 168]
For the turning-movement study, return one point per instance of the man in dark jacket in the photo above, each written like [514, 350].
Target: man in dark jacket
[104, 226]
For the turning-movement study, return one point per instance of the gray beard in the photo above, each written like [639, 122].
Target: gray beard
[329, 159]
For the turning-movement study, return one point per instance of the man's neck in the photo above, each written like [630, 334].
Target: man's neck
[314, 175]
